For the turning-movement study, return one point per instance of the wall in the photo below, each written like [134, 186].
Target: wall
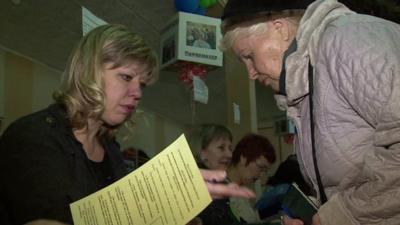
[18, 87]
[150, 132]
[25, 86]
[2, 86]
[240, 91]
[45, 82]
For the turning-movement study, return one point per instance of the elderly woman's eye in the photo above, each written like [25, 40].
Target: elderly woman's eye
[249, 56]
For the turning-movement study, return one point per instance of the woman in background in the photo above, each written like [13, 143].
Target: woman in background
[252, 157]
[212, 146]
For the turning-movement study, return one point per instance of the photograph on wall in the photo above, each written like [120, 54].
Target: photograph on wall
[201, 35]
[168, 50]
[190, 38]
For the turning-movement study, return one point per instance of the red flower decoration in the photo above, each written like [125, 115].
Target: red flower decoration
[188, 70]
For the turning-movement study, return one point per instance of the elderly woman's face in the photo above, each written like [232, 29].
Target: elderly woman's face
[262, 54]
[123, 90]
[218, 154]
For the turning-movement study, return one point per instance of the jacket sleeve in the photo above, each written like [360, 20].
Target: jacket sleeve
[34, 177]
[364, 68]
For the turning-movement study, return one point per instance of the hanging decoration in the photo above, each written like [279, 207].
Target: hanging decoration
[189, 48]
[194, 6]
[188, 6]
[207, 3]
[188, 70]
[200, 11]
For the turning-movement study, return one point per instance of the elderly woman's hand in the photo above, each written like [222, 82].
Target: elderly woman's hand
[289, 221]
[214, 180]
[316, 220]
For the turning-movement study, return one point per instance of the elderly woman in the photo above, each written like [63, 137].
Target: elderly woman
[67, 151]
[337, 73]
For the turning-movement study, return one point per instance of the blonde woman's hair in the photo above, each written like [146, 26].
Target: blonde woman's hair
[82, 85]
[248, 25]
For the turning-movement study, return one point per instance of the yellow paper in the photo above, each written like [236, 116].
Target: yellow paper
[168, 189]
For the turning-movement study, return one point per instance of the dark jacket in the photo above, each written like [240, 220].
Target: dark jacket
[43, 168]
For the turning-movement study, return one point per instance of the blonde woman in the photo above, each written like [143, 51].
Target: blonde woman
[67, 151]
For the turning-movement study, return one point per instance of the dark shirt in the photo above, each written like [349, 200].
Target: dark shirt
[43, 168]
[218, 211]
[102, 172]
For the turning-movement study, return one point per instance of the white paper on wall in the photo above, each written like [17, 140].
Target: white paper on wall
[200, 90]
[90, 21]
[236, 113]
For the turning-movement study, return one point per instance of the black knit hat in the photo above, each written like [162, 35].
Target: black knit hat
[235, 8]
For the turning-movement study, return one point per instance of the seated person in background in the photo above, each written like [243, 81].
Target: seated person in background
[211, 145]
[134, 158]
[251, 158]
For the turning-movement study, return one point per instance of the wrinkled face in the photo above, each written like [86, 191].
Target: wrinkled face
[250, 173]
[123, 90]
[262, 54]
[218, 154]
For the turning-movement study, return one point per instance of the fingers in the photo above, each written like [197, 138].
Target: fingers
[220, 190]
[213, 175]
[316, 220]
[231, 190]
[289, 221]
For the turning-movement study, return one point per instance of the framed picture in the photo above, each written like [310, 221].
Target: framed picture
[169, 49]
[192, 38]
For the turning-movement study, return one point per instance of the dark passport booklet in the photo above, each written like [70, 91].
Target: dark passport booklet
[298, 205]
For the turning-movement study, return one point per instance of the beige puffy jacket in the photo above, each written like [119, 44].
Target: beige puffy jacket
[356, 60]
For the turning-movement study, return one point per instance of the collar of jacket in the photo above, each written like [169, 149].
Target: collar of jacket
[312, 26]
[282, 78]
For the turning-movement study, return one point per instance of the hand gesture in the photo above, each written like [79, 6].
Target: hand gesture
[214, 180]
